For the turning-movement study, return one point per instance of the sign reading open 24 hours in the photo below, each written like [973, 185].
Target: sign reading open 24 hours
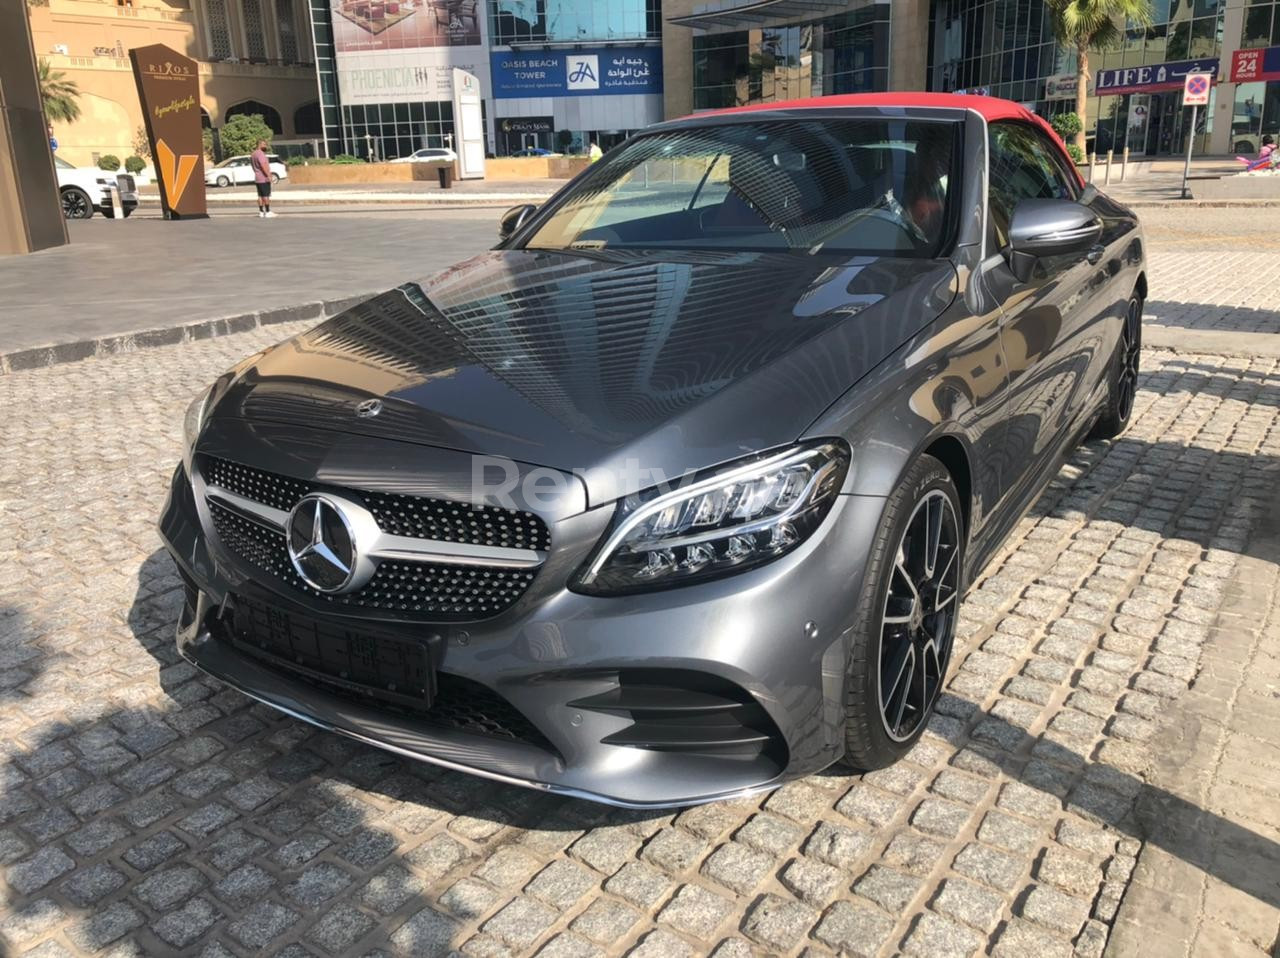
[592, 72]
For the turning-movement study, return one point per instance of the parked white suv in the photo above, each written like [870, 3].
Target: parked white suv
[84, 190]
[236, 170]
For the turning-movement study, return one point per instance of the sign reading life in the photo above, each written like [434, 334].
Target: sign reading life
[170, 93]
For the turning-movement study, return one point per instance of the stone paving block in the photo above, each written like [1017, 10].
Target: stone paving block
[991, 866]
[561, 884]
[811, 881]
[769, 833]
[638, 884]
[913, 852]
[606, 921]
[662, 944]
[1054, 910]
[1019, 938]
[427, 933]
[891, 890]
[738, 867]
[695, 911]
[521, 922]
[939, 937]
[568, 945]
[779, 923]
[469, 899]
[675, 850]
[838, 845]
[854, 929]
[184, 926]
[96, 930]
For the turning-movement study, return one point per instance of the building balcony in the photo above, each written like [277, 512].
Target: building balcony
[278, 69]
[96, 9]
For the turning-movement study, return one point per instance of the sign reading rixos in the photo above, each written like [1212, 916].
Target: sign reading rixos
[576, 73]
[170, 95]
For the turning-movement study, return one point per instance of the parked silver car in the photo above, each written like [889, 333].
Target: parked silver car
[674, 494]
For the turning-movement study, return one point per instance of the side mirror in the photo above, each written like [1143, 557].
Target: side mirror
[1043, 228]
[513, 219]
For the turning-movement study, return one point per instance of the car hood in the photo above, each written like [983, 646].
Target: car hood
[601, 363]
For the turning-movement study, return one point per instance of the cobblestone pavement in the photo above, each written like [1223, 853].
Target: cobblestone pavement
[145, 809]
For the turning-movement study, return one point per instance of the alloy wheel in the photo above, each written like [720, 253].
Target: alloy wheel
[75, 205]
[1130, 351]
[919, 618]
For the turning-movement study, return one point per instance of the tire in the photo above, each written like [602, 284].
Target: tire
[128, 211]
[897, 668]
[275, 177]
[1244, 146]
[1122, 381]
[76, 204]
[223, 181]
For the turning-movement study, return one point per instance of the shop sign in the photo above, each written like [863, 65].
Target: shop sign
[1248, 66]
[1061, 86]
[607, 70]
[1151, 78]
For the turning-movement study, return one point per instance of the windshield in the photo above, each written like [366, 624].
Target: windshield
[227, 162]
[859, 185]
[62, 164]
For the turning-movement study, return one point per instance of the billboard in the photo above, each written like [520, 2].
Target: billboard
[170, 94]
[404, 51]
[582, 72]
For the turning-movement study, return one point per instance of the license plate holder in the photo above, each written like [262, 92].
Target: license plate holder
[392, 669]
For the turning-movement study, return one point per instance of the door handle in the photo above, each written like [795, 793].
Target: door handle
[1095, 254]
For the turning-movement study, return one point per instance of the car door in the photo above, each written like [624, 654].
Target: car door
[243, 171]
[1047, 323]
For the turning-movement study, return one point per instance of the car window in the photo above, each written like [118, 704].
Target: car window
[1024, 166]
[62, 164]
[869, 185]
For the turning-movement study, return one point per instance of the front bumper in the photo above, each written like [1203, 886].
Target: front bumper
[777, 633]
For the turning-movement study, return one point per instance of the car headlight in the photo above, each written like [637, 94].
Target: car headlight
[736, 518]
[192, 423]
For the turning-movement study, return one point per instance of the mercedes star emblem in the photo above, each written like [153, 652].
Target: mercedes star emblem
[321, 543]
[368, 408]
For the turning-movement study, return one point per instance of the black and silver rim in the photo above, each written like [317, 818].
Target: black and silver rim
[75, 205]
[919, 620]
[1130, 348]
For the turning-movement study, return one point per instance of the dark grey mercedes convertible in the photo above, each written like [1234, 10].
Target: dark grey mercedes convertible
[674, 494]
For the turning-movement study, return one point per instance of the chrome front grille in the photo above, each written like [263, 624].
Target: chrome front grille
[474, 563]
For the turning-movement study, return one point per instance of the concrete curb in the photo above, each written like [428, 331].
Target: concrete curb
[1245, 204]
[56, 354]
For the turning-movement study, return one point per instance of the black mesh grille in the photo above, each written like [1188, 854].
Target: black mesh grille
[422, 589]
[413, 589]
[279, 492]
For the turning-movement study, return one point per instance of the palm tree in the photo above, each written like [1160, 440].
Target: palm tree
[1085, 25]
[58, 94]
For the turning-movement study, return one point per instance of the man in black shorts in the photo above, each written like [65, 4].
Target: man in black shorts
[262, 178]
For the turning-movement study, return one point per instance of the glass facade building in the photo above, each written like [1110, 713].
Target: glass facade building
[1004, 48]
[514, 22]
[569, 73]
[1154, 122]
[844, 53]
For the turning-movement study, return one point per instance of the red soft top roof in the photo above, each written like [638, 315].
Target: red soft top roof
[990, 107]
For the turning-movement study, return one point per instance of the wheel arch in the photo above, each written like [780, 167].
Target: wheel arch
[953, 455]
[1141, 286]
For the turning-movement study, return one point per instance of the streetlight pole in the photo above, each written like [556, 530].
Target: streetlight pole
[1191, 139]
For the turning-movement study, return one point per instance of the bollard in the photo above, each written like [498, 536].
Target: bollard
[1093, 164]
[1106, 178]
[113, 197]
[1124, 163]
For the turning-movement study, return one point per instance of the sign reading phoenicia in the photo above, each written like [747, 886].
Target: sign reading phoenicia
[576, 73]
[170, 95]
[1152, 78]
